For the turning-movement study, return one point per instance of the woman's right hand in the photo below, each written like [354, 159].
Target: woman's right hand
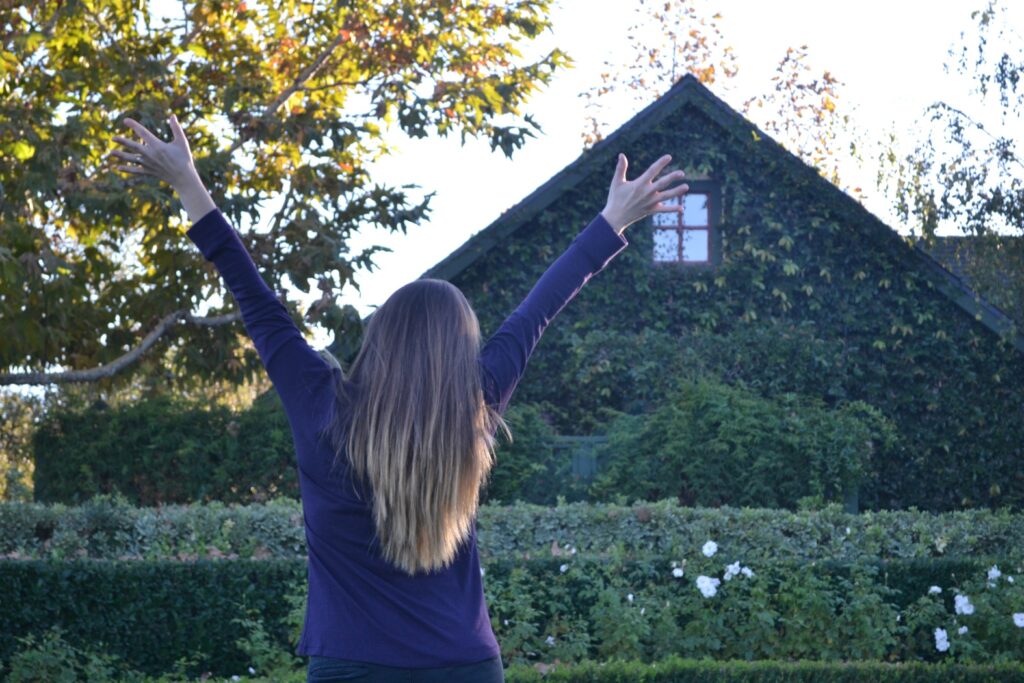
[630, 201]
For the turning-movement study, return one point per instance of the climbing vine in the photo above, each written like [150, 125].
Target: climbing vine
[866, 318]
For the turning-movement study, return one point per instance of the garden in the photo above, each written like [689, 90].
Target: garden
[607, 588]
[778, 441]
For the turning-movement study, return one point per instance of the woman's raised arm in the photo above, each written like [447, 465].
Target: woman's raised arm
[297, 371]
[503, 358]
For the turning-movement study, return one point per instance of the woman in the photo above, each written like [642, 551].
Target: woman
[392, 457]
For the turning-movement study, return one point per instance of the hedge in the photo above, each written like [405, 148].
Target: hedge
[710, 444]
[150, 614]
[166, 450]
[109, 527]
[52, 659]
[153, 613]
[677, 670]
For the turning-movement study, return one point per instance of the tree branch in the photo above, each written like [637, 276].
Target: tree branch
[977, 124]
[112, 368]
[300, 80]
[52, 22]
[196, 28]
[325, 86]
[114, 42]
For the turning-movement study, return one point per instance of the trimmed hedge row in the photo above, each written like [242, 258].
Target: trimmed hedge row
[676, 670]
[109, 527]
[151, 614]
[52, 659]
[743, 450]
[166, 449]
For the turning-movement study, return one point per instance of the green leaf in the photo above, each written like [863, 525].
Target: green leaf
[23, 150]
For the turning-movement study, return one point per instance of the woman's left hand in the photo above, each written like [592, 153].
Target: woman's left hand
[168, 161]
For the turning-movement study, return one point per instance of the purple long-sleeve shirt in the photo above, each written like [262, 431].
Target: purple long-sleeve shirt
[359, 607]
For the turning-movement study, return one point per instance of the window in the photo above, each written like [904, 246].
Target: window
[689, 237]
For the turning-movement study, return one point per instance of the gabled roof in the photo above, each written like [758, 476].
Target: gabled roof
[688, 91]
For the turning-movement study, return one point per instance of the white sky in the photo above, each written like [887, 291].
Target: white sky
[889, 54]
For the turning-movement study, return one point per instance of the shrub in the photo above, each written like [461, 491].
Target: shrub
[163, 450]
[524, 463]
[712, 444]
[51, 659]
[110, 527]
[159, 615]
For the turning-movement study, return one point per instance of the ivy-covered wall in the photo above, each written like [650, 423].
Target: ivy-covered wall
[813, 296]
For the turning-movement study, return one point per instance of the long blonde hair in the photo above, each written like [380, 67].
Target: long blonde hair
[414, 425]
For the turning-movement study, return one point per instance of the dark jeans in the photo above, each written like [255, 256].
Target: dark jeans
[330, 669]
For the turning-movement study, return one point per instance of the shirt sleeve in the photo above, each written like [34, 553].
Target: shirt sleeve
[504, 356]
[295, 369]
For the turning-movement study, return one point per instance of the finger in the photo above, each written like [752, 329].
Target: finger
[655, 168]
[667, 179]
[127, 142]
[147, 137]
[671, 193]
[137, 170]
[127, 156]
[620, 168]
[176, 130]
[661, 207]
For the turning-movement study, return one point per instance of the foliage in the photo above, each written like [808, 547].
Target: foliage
[804, 112]
[152, 614]
[280, 99]
[166, 450]
[799, 255]
[109, 527]
[264, 651]
[19, 416]
[542, 610]
[711, 444]
[51, 659]
[966, 169]
[668, 39]
[676, 669]
[521, 466]
[169, 450]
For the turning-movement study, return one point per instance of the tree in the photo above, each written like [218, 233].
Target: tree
[282, 99]
[802, 114]
[965, 169]
[18, 419]
[669, 39]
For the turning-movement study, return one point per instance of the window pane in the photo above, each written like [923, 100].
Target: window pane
[695, 245]
[695, 209]
[666, 245]
[668, 218]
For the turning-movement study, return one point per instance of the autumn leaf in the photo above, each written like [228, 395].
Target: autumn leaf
[22, 150]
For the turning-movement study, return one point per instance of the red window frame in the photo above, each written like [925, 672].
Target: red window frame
[710, 190]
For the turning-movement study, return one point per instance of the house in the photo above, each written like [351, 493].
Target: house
[844, 307]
